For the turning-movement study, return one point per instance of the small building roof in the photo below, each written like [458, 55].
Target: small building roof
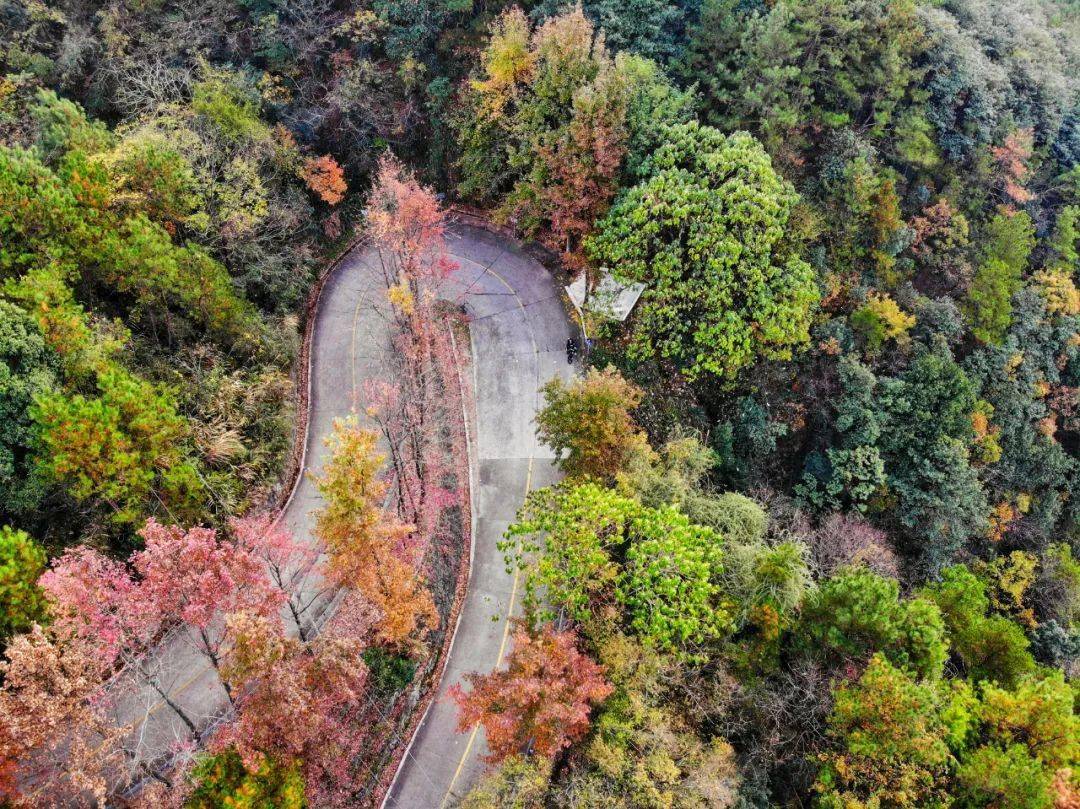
[611, 298]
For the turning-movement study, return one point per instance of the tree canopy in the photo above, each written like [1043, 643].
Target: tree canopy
[705, 230]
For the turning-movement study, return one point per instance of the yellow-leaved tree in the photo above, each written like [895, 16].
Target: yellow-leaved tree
[369, 550]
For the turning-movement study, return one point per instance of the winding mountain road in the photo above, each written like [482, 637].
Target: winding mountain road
[518, 330]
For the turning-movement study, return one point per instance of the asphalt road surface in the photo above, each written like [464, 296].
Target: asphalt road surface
[518, 330]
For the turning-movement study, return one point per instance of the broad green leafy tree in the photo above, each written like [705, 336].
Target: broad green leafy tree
[705, 232]
[670, 584]
[566, 538]
[585, 548]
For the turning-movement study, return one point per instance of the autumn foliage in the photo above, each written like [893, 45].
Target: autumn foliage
[540, 703]
[196, 575]
[300, 702]
[288, 699]
[588, 423]
[368, 549]
[553, 120]
[187, 577]
[292, 564]
[325, 178]
[54, 721]
[295, 701]
[1012, 160]
[417, 403]
[407, 228]
[820, 536]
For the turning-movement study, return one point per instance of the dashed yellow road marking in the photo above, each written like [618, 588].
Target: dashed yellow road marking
[517, 575]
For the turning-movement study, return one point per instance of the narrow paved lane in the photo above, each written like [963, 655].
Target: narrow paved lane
[518, 332]
[518, 329]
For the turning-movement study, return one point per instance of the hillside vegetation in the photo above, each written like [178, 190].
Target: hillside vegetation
[818, 543]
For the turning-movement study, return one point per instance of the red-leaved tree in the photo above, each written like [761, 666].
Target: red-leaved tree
[417, 402]
[94, 599]
[196, 578]
[540, 702]
[110, 654]
[407, 227]
[297, 703]
[187, 580]
[292, 565]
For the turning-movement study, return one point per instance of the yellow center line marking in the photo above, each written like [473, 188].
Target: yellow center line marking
[517, 572]
[498, 660]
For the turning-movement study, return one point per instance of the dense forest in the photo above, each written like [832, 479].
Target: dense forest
[818, 542]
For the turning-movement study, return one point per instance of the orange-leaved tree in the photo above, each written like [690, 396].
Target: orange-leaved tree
[325, 178]
[540, 702]
[368, 549]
